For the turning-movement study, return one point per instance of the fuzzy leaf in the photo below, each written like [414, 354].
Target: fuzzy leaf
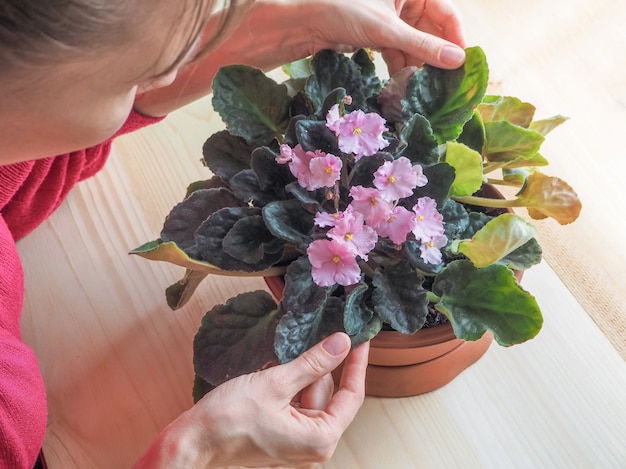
[357, 313]
[440, 178]
[236, 338]
[477, 300]
[418, 143]
[393, 92]
[300, 288]
[506, 108]
[332, 70]
[247, 188]
[185, 218]
[546, 196]
[252, 105]
[473, 134]
[211, 234]
[448, 97]
[314, 135]
[468, 167]
[288, 220]
[225, 154]
[499, 237]
[271, 176]
[399, 298]
[250, 241]
[545, 126]
[178, 294]
[298, 330]
[371, 84]
[523, 257]
[513, 145]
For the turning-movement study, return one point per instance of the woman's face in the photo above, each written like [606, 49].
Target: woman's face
[74, 105]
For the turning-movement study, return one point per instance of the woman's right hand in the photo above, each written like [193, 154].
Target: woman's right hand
[285, 415]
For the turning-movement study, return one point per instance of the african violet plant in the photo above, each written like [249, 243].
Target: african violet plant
[368, 197]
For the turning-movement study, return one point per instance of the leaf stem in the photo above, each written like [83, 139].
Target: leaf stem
[488, 202]
[503, 182]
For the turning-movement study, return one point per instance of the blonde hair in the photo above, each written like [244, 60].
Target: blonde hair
[41, 32]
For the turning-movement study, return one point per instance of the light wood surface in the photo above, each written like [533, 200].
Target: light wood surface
[117, 362]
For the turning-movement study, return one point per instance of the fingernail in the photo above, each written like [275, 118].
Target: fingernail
[335, 344]
[452, 55]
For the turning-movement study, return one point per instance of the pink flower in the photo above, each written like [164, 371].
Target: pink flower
[351, 228]
[398, 225]
[357, 132]
[397, 179]
[325, 219]
[430, 250]
[428, 221]
[325, 169]
[370, 203]
[333, 262]
[313, 170]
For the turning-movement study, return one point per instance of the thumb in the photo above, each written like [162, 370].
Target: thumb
[316, 362]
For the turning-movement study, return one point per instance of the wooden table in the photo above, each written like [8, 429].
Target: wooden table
[117, 361]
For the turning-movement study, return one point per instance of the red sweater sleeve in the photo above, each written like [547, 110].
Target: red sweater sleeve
[29, 192]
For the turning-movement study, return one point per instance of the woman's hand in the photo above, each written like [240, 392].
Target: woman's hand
[285, 415]
[274, 32]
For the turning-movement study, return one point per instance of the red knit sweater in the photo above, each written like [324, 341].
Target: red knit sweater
[29, 192]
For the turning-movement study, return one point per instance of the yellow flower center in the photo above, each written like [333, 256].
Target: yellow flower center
[420, 218]
[357, 130]
[348, 236]
[391, 179]
[430, 244]
[328, 170]
[336, 259]
[373, 201]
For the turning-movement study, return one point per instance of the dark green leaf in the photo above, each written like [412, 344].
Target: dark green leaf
[252, 105]
[236, 338]
[413, 253]
[455, 218]
[473, 134]
[250, 241]
[448, 97]
[270, 175]
[418, 142]
[332, 70]
[358, 313]
[185, 218]
[440, 178]
[225, 154]
[288, 220]
[246, 187]
[314, 135]
[300, 329]
[364, 169]
[523, 257]
[300, 288]
[179, 293]
[200, 388]
[211, 234]
[399, 298]
[371, 83]
[477, 300]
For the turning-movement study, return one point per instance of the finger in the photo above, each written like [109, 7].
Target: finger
[317, 395]
[446, 17]
[348, 399]
[313, 364]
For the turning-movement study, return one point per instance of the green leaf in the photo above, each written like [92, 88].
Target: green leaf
[358, 313]
[440, 178]
[236, 338]
[299, 68]
[545, 126]
[300, 329]
[506, 108]
[399, 298]
[314, 135]
[523, 257]
[418, 143]
[158, 250]
[473, 134]
[455, 218]
[178, 294]
[200, 388]
[250, 241]
[499, 237]
[271, 176]
[371, 84]
[185, 218]
[247, 187]
[447, 97]
[211, 236]
[225, 154]
[468, 167]
[513, 145]
[332, 70]
[288, 220]
[300, 288]
[252, 105]
[477, 300]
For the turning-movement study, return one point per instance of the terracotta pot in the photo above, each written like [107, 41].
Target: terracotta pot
[406, 365]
